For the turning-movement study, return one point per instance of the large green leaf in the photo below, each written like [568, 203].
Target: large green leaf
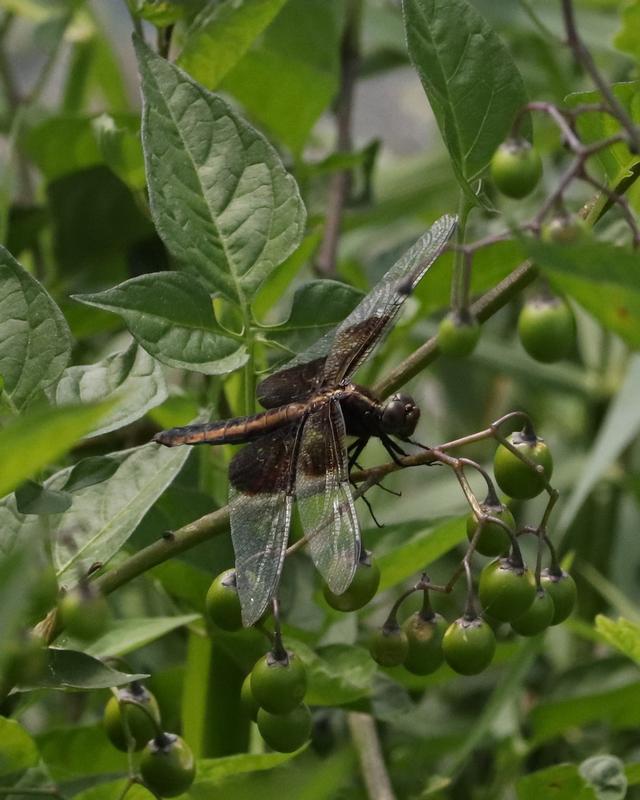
[216, 770]
[317, 307]
[562, 782]
[70, 670]
[617, 159]
[290, 76]
[470, 79]
[627, 38]
[616, 432]
[132, 380]
[18, 751]
[617, 707]
[171, 316]
[220, 196]
[221, 34]
[601, 277]
[35, 343]
[622, 634]
[337, 674]
[80, 750]
[39, 437]
[126, 635]
[103, 516]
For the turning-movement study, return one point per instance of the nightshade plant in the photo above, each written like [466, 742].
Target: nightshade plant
[158, 262]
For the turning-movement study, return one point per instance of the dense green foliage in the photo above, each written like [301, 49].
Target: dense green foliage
[160, 255]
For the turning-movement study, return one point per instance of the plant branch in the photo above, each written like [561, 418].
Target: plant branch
[340, 184]
[372, 767]
[584, 57]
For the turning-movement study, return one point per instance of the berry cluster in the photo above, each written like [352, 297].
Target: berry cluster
[132, 723]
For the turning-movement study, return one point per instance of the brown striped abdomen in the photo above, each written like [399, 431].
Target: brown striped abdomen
[233, 431]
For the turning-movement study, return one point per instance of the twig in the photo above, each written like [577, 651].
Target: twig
[372, 767]
[340, 184]
[584, 57]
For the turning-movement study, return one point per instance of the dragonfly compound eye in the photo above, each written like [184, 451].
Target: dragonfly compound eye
[400, 415]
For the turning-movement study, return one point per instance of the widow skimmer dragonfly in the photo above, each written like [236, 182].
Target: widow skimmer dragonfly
[296, 447]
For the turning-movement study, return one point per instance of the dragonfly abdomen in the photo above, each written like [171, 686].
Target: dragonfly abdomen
[233, 431]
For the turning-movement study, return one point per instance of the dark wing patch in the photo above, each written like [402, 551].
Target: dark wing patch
[324, 498]
[260, 503]
[291, 384]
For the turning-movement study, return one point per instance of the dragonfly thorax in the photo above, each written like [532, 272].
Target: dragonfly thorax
[399, 416]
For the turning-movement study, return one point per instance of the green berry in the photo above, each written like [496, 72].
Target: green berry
[285, 732]
[493, 539]
[84, 612]
[516, 168]
[562, 589]
[279, 684]
[469, 645]
[458, 334]
[565, 229]
[506, 591]
[424, 634]
[389, 645]
[516, 478]
[547, 328]
[247, 699]
[131, 704]
[361, 589]
[222, 602]
[537, 617]
[167, 765]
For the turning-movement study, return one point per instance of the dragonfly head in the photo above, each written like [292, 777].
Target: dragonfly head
[400, 415]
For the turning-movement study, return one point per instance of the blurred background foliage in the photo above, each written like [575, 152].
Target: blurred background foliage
[73, 211]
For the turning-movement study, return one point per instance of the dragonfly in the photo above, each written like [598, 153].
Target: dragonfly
[296, 449]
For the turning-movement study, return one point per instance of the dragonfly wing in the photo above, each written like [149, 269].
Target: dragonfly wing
[324, 497]
[260, 503]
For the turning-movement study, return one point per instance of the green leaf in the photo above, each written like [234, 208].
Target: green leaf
[627, 38]
[114, 789]
[622, 634]
[62, 144]
[616, 432]
[118, 140]
[35, 343]
[605, 773]
[80, 750]
[604, 279]
[617, 707]
[90, 471]
[215, 770]
[170, 314]
[126, 635]
[562, 782]
[275, 286]
[15, 586]
[337, 674]
[420, 550]
[18, 751]
[617, 159]
[103, 516]
[318, 306]
[472, 83]
[290, 76]
[220, 196]
[69, 670]
[221, 34]
[32, 498]
[132, 381]
[38, 438]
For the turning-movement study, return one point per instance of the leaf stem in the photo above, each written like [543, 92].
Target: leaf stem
[364, 736]
[461, 264]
